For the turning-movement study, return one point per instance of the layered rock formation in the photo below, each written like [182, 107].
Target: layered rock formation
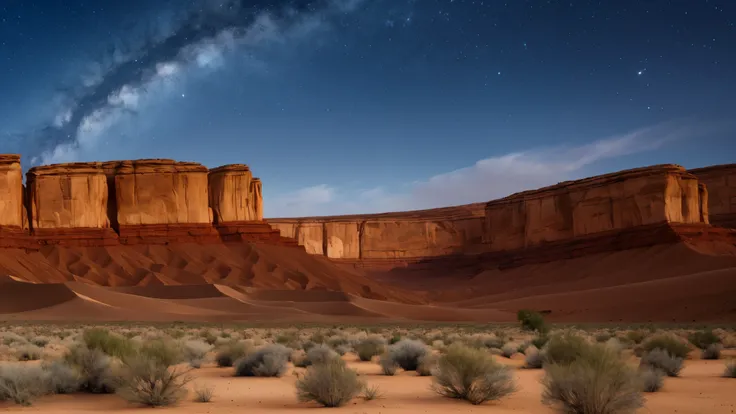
[603, 205]
[151, 201]
[720, 181]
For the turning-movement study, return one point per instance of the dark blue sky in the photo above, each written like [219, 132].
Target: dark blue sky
[345, 106]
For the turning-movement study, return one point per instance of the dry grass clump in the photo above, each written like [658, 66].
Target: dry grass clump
[667, 342]
[730, 371]
[712, 352]
[662, 360]
[319, 354]
[330, 383]
[203, 393]
[28, 352]
[564, 348]
[652, 379]
[268, 361]
[427, 364]
[228, 353]
[62, 378]
[148, 380]
[94, 368]
[22, 383]
[388, 365]
[195, 352]
[109, 343]
[533, 358]
[595, 381]
[370, 347]
[472, 375]
[407, 353]
[509, 350]
[703, 339]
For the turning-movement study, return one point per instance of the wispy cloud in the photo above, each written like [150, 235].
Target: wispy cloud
[487, 179]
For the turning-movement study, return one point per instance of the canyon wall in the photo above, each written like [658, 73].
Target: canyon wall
[720, 181]
[151, 201]
[608, 203]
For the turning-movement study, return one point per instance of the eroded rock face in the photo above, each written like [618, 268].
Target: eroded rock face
[720, 182]
[234, 194]
[11, 191]
[401, 235]
[160, 191]
[67, 196]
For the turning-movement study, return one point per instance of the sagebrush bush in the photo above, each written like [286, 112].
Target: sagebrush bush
[407, 353]
[730, 371]
[61, 378]
[319, 354]
[28, 352]
[427, 364]
[652, 379]
[195, 352]
[109, 343]
[564, 348]
[508, 350]
[533, 358]
[673, 345]
[597, 381]
[636, 337]
[713, 351]
[661, 359]
[40, 341]
[229, 353]
[472, 375]
[703, 339]
[531, 320]
[22, 383]
[94, 368]
[388, 365]
[268, 361]
[148, 381]
[330, 383]
[162, 351]
[370, 347]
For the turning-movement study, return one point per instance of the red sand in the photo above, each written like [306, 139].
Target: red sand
[681, 282]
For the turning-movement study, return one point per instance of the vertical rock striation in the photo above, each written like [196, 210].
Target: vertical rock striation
[720, 182]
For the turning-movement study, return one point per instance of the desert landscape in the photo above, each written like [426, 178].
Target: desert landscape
[160, 282]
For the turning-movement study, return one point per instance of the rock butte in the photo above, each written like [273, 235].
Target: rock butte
[148, 201]
[626, 209]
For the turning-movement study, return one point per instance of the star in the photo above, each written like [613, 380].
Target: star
[182, 95]
[641, 72]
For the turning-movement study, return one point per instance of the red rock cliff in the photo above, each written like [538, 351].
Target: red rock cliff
[234, 194]
[720, 181]
[569, 210]
[11, 192]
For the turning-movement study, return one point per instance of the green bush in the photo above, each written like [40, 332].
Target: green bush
[407, 353]
[229, 353]
[370, 347]
[107, 342]
[531, 320]
[652, 379]
[564, 348]
[597, 381]
[161, 351]
[94, 369]
[662, 360]
[472, 375]
[636, 337]
[703, 339]
[148, 381]
[269, 361]
[673, 345]
[22, 383]
[330, 383]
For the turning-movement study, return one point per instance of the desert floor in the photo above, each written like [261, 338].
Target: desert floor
[699, 389]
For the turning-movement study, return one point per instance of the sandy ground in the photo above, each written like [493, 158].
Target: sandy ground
[699, 390]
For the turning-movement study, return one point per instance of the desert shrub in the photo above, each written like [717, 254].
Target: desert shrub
[61, 378]
[662, 360]
[602, 336]
[94, 368]
[299, 359]
[371, 393]
[636, 337]
[713, 351]
[427, 364]
[161, 351]
[673, 345]
[508, 350]
[533, 358]
[564, 348]
[40, 341]
[730, 371]
[652, 379]
[203, 393]
[343, 349]
[531, 320]
[492, 341]
[269, 361]
[598, 381]
[703, 339]
[21, 383]
[107, 342]
[540, 341]
[369, 347]
[472, 375]
[395, 338]
[195, 352]
[209, 337]
[28, 352]
[330, 383]
[407, 353]
[146, 380]
[320, 354]
[388, 365]
[229, 353]
[12, 338]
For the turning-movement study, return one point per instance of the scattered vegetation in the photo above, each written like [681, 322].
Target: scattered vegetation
[229, 353]
[370, 347]
[407, 353]
[330, 383]
[662, 360]
[268, 361]
[22, 383]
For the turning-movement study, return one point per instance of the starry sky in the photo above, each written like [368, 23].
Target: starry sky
[361, 106]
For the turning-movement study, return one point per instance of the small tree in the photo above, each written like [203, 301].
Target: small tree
[532, 321]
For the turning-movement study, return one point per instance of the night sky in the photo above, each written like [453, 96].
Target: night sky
[350, 106]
